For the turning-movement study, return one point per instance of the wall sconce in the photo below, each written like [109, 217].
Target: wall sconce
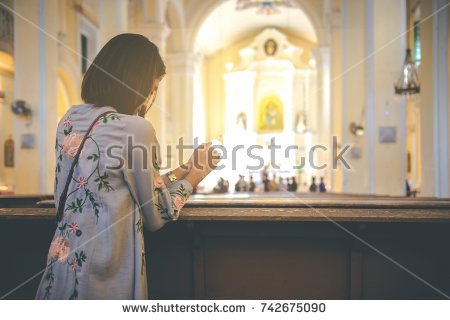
[356, 129]
[21, 109]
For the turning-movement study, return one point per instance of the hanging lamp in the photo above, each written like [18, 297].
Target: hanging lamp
[408, 83]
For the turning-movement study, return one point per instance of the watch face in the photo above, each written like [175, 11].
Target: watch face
[171, 177]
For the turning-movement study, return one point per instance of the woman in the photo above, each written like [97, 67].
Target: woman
[107, 183]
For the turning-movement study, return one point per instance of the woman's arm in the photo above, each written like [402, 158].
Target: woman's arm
[202, 161]
[158, 204]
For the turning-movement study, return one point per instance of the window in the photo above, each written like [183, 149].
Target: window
[6, 31]
[416, 48]
[84, 53]
[88, 42]
[416, 40]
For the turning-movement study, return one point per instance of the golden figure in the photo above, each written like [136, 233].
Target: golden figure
[270, 115]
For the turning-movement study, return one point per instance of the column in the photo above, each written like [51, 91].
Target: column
[35, 81]
[434, 115]
[324, 125]
[335, 24]
[113, 19]
[353, 94]
[387, 109]
[181, 98]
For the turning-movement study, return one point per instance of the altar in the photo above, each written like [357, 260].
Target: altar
[271, 110]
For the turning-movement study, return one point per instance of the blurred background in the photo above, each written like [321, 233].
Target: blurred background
[371, 73]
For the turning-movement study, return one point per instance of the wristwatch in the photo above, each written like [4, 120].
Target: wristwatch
[171, 176]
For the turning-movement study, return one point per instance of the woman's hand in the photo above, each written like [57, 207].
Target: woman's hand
[204, 159]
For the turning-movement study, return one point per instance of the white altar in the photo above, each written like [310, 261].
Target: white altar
[270, 95]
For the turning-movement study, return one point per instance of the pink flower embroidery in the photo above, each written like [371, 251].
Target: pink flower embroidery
[73, 227]
[159, 184]
[179, 203]
[72, 143]
[68, 122]
[73, 264]
[59, 248]
[81, 182]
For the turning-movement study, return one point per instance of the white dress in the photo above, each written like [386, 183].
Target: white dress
[98, 251]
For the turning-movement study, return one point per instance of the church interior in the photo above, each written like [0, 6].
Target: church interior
[304, 73]
[354, 94]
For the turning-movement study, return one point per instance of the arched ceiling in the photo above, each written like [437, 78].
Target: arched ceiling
[225, 25]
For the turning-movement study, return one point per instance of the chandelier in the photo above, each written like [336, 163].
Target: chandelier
[408, 83]
[263, 6]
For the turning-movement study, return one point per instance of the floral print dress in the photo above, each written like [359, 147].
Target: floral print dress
[97, 251]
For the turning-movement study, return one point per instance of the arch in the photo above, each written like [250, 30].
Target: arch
[63, 103]
[68, 86]
[70, 83]
[6, 62]
[205, 8]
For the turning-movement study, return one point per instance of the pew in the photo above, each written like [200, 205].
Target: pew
[268, 246]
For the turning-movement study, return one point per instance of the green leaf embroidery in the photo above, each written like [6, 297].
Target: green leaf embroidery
[139, 225]
[111, 116]
[68, 131]
[163, 210]
[74, 294]
[50, 277]
[63, 227]
[93, 157]
[93, 201]
[75, 207]
[103, 183]
[182, 192]
[80, 257]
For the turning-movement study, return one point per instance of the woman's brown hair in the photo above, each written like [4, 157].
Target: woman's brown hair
[122, 74]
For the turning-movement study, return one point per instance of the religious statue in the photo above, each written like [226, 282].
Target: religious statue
[242, 121]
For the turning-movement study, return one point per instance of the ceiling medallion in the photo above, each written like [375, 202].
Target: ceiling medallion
[264, 6]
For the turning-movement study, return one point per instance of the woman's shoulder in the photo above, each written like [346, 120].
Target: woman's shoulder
[138, 126]
[83, 113]
[121, 123]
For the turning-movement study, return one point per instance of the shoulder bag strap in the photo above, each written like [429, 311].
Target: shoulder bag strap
[63, 197]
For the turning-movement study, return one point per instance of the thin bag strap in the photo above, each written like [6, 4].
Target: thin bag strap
[63, 197]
